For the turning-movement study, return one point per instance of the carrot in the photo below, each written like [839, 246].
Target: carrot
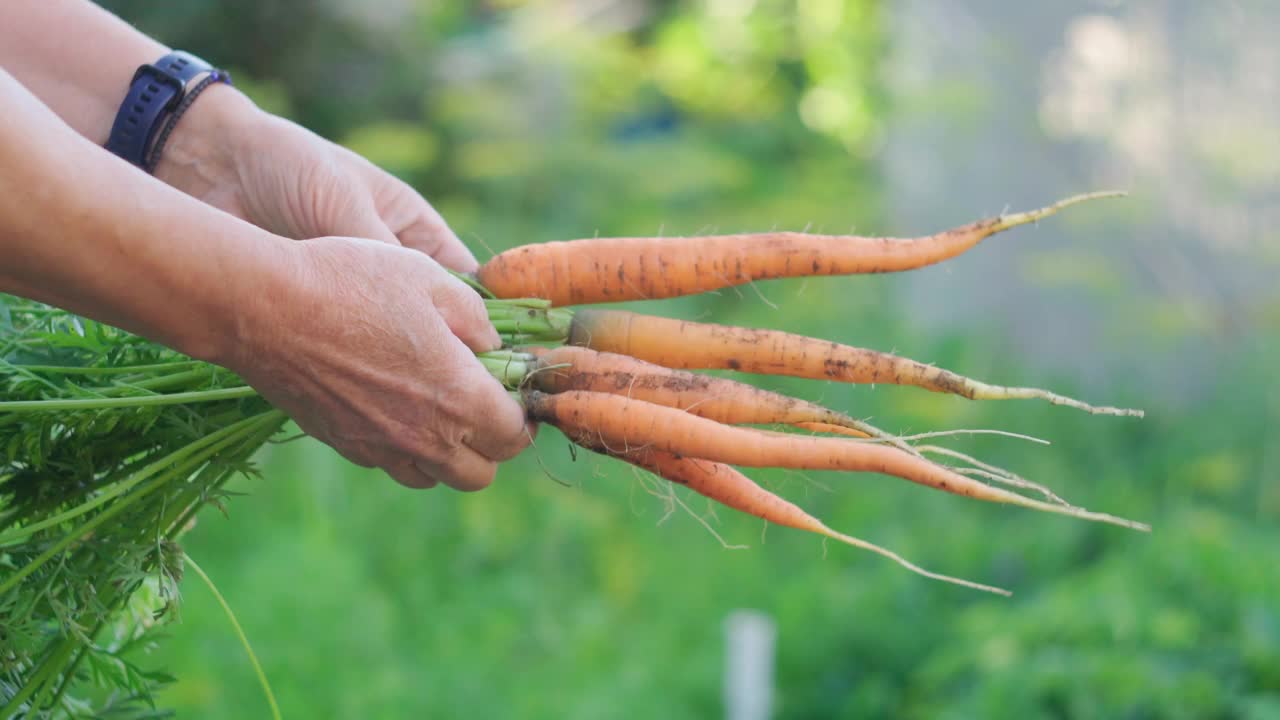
[819, 427]
[692, 345]
[596, 270]
[998, 474]
[727, 401]
[621, 423]
[731, 488]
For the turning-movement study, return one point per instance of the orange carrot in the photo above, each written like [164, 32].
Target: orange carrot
[622, 424]
[642, 268]
[692, 345]
[819, 427]
[976, 466]
[730, 488]
[727, 401]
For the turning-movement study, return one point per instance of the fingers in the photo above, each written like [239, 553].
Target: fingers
[482, 422]
[464, 312]
[500, 434]
[463, 469]
[360, 219]
[430, 234]
[498, 420]
[465, 424]
[407, 473]
[388, 375]
[411, 218]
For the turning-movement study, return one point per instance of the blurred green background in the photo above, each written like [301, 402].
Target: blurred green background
[566, 590]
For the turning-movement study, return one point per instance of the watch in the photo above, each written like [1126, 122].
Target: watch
[155, 91]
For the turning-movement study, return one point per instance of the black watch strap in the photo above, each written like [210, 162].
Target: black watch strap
[154, 92]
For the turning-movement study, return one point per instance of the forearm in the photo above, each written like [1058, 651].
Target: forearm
[78, 59]
[83, 230]
[75, 56]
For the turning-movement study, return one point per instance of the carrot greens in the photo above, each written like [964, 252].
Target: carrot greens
[110, 444]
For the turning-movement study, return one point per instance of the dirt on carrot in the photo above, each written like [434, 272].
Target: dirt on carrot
[727, 401]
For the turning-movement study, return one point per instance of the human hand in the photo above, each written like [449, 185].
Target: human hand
[370, 348]
[289, 181]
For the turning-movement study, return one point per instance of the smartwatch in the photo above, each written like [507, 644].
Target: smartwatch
[155, 91]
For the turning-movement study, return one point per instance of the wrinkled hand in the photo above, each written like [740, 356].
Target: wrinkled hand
[369, 348]
[290, 181]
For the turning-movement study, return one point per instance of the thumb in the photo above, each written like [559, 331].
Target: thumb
[464, 312]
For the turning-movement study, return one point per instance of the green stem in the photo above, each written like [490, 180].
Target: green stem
[509, 303]
[118, 370]
[518, 339]
[530, 318]
[126, 402]
[244, 639]
[69, 674]
[163, 382]
[473, 283]
[509, 367]
[44, 675]
[69, 644]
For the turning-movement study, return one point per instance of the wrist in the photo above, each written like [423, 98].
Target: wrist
[262, 275]
[200, 157]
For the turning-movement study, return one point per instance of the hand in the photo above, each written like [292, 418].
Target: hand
[291, 182]
[369, 347]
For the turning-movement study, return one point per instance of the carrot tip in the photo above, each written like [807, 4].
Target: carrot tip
[855, 542]
[1072, 511]
[982, 391]
[975, 431]
[1004, 222]
[1112, 520]
[992, 472]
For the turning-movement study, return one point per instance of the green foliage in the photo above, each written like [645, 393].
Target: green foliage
[99, 474]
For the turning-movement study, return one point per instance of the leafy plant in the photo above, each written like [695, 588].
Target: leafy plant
[111, 444]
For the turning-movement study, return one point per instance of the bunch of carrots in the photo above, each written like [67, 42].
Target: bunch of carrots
[110, 444]
[620, 383]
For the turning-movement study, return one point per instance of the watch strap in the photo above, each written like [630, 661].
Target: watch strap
[156, 89]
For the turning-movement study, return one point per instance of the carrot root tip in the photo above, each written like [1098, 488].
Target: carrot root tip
[863, 544]
[982, 391]
[1070, 511]
[1004, 222]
